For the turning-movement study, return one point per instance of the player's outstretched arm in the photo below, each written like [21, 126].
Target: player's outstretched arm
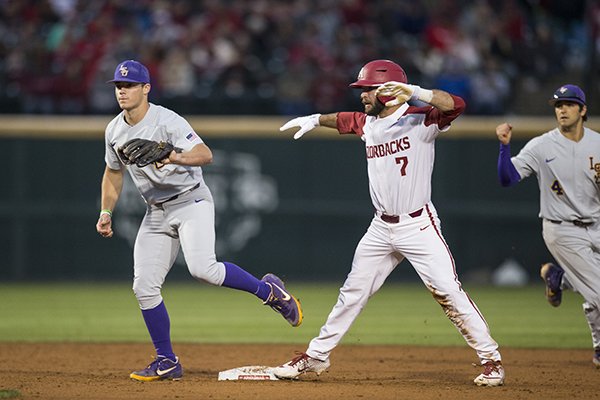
[310, 122]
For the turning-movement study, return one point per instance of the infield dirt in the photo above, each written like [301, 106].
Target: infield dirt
[101, 371]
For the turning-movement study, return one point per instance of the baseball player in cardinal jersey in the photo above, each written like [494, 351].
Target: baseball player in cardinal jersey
[399, 143]
[179, 213]
[566, 161]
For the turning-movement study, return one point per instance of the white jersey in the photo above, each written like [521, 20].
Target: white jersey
[155, 184]
[568, 174]
[400, 150]
[400, 155]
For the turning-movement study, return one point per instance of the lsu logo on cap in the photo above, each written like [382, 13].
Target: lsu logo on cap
[123, 70]
[131, 71]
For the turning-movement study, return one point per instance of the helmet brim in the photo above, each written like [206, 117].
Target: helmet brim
[363, 84]
[125, 80]
[552, 102]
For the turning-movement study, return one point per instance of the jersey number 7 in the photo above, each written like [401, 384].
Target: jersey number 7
[403, 162]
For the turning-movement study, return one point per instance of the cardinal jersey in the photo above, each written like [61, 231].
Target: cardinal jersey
[400, 151]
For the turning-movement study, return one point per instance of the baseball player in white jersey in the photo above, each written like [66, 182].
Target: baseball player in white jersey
[399, 143]
[566, 161]
[180, 212]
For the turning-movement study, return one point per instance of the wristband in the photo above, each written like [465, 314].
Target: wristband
[315, 119]
[106, 211]
[419, 93]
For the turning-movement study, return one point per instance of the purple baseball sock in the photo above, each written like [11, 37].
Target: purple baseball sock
[159, 327]
[237, 278]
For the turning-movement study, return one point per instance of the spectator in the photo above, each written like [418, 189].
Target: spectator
[490, 89]
[253, 48]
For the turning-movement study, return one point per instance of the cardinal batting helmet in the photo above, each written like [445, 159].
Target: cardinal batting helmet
[377, 72]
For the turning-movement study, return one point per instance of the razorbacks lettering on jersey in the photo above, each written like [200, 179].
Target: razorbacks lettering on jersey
[159, 124]
[568, 174]
[400, 153]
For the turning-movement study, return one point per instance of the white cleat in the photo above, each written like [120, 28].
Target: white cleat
[492, 375]
[300, 365]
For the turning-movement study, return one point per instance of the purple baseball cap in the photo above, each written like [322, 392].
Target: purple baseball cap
[131, 71]
[568, 93]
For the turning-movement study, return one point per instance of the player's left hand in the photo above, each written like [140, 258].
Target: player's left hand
[307, 123]
[142, 152]
[401, 91]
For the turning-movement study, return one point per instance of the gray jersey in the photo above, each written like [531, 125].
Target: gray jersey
[159, 123]
[568, 174]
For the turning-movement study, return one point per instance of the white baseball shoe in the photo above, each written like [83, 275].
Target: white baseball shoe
[299, 365]
[492, 375]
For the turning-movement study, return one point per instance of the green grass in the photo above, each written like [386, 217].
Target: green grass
[397, 314]
[9, 393]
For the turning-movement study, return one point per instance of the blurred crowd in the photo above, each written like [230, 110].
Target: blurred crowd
[287, 57]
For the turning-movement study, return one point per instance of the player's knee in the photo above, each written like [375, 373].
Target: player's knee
[148, 297]
[209, 272]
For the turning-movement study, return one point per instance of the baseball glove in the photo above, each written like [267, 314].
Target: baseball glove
[142, 152]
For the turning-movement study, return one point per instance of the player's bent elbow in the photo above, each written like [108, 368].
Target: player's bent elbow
[208, 159]
[205, 155]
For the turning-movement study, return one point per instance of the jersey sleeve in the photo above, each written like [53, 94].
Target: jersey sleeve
[443, 119]
[437, 121]
[351, 123]
[527, 161]
[507, 173]
[181, 133]
[110, 152]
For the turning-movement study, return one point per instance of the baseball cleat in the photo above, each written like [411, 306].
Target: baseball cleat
[596, 359]
[159, 369]
[282, 301]
[492, 375]
[299, 365]
[552, 274]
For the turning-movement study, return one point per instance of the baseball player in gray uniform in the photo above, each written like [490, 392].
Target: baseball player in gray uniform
[399, 143]
[180, 213]
[566, 161]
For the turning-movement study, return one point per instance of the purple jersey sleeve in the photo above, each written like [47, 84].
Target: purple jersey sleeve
[507, 173]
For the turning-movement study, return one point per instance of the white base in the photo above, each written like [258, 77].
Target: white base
[248, 373]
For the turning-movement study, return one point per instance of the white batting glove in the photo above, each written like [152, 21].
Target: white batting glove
[403, 92]
[306, 124]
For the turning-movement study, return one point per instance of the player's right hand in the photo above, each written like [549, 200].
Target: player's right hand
[104, 226]
[401, 92]
[504, 133]
[307, 123]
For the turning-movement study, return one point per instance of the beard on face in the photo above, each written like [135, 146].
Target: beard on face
[376, 109]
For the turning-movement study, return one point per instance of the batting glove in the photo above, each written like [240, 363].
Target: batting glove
[306, 124]
[403, 92]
